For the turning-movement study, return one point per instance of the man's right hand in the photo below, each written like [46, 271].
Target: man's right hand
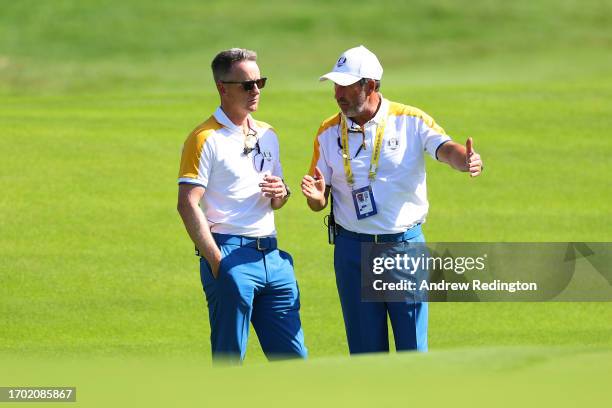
[313, 189]
[196, 224]
[214, 264]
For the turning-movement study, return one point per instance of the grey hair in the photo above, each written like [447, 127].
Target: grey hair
[223, 61]
[363, 81]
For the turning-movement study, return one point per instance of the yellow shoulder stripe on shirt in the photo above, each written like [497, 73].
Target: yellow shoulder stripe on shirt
[327, 123]
[397, 109]
[264, 126]
[192, 149]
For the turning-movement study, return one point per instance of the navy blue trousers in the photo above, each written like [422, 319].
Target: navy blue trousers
[366, 322]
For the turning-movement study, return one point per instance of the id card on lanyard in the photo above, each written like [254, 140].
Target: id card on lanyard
[363, 198]
[365, 206]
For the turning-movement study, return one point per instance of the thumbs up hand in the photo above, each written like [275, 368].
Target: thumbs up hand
[472, 159]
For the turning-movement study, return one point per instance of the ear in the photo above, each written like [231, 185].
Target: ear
[220, 88]
[370, 86]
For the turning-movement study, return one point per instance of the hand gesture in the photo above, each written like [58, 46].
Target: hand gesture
[273, 187]
[314, 187]
[472, 159]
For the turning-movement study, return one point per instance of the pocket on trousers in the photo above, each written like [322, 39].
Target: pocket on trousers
[286, 256]
[206, 275]
[221, 268]
[206, 269]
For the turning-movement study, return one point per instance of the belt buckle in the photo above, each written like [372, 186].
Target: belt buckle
[376, 238]
[259, 248]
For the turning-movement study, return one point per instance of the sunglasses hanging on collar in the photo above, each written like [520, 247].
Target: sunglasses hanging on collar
[251, 141]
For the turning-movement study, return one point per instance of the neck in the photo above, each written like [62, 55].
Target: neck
[238, 118]
[370, 109]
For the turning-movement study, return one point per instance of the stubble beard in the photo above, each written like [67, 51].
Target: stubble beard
[357, 108]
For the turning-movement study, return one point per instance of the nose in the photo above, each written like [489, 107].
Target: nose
[255, 90]
[338, 91]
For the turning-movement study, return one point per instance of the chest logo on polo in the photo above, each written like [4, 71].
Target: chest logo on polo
[267, 155]
[393, 143]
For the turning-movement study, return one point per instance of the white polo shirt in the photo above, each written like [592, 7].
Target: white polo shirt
[213, 157]
[399, 190]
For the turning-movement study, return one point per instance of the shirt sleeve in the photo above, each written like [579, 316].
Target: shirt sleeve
[196, 160]
[278, 168]
[320, 160]
[432, 135]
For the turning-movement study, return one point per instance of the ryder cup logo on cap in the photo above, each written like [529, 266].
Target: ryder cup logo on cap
[354, 64]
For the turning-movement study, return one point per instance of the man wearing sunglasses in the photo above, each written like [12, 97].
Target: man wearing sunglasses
[230, 183]
[370, 155]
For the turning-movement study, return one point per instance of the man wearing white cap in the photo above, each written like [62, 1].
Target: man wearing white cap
[370, 155]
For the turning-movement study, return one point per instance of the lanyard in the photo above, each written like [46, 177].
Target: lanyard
[348, 172]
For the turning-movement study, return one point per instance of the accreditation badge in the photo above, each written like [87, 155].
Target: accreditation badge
[365, 206]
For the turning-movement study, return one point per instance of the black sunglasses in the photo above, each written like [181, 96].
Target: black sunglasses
[249, 85]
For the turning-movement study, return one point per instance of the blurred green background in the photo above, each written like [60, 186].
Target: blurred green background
[97, 97]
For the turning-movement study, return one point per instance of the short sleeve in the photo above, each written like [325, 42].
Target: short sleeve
[319, 160]
[196, 160]
[432, 135]
[278, 168]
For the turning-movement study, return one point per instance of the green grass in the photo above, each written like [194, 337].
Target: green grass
[96, 99]
[508, 377]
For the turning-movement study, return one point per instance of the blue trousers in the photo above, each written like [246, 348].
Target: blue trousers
[253, 286]
[366, 322]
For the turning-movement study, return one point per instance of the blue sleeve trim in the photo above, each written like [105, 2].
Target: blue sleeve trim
[438, 148]
[195, 183]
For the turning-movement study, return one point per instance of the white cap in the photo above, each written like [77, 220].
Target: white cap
[354, 64]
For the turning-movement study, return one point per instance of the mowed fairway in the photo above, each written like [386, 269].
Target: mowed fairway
[96, 99]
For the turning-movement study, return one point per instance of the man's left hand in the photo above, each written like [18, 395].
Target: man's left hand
[472, 159]
[273, 187]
